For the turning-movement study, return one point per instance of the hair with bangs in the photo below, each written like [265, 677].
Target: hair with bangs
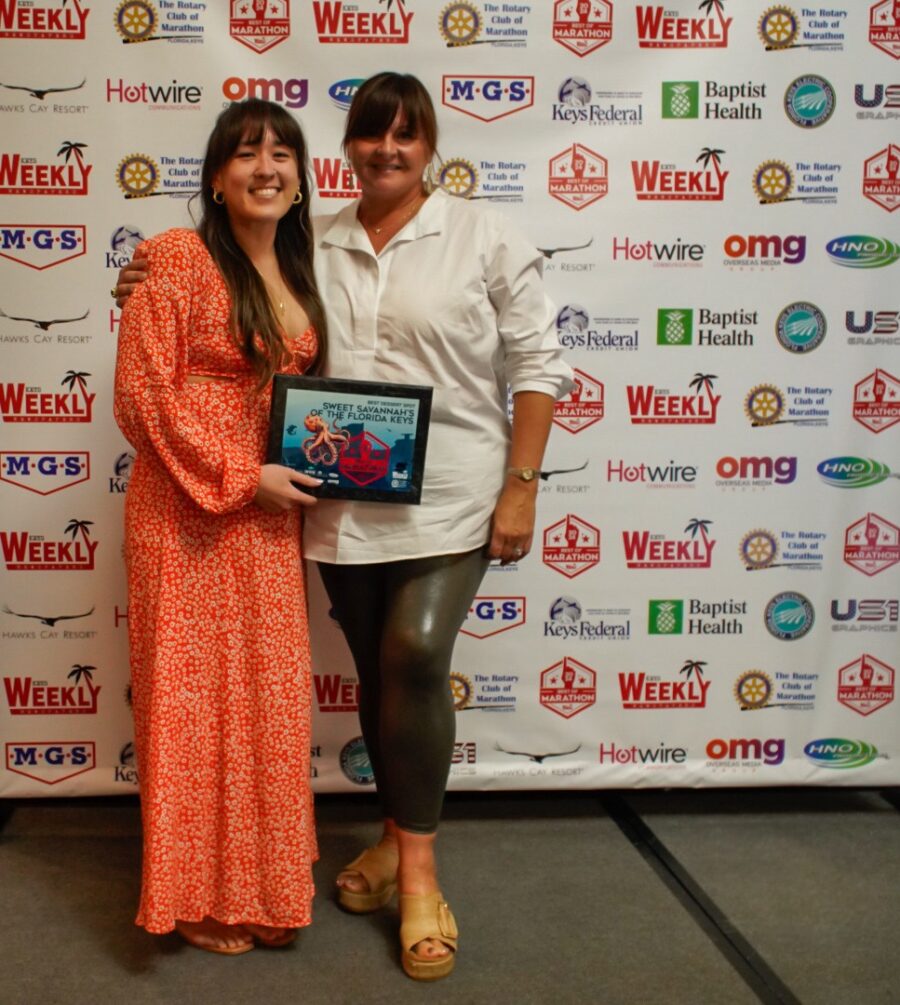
[376, 103]
[253, 319]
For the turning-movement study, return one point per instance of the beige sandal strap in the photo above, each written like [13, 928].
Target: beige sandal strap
[377, 866]
[426, 916]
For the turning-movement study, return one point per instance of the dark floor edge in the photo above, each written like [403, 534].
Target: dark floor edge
[752, 968]
[891, 796]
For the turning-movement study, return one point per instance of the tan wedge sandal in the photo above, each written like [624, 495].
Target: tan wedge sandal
[426, 916]
[378, 867]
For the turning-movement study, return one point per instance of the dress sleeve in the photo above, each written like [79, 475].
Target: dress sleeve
[526, 318]
[150, 403]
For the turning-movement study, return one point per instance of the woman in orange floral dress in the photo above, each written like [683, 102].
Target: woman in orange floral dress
[217, 612]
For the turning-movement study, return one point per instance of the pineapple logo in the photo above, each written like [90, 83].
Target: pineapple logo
[680, 99]
[665, 617]
[674, 326]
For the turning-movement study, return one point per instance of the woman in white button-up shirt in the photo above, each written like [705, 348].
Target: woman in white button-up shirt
[426, 289]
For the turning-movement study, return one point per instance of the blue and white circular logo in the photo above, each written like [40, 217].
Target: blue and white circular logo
[565, 611]
[355, 762]
[809, 101]
[789, 616]
[800, 327]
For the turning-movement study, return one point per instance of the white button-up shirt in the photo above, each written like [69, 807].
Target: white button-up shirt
[455, 301]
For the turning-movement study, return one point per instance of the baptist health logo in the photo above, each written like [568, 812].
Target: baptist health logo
[680, 99]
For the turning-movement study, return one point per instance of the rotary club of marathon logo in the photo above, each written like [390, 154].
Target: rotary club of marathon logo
[876, 401]
[139, 175]
[776, 181]
[780, 28]
[464, 23]
[866, 684]
[582, 26]
[880, 181]
[138, 21]
[767, 405]
[872, 544]
[884, 27]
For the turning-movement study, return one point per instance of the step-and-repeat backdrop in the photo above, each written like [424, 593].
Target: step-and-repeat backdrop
[713, 594]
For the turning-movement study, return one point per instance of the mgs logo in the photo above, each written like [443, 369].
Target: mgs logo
[880, 181]
[45, 472]
[876, 401]
[487, 98]
[884, 27]
[54, 20]
[260, 24]
[582, 406]
[568, 687]
[578, 176]
[51, 763]
[582, 26]
[491, 615]
[865, 685]
[571, 546]
[872, 544]
[40, 246]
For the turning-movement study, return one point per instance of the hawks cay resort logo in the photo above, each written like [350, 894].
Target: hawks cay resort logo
[679, 253]
[582, 406]
[169, 95]
[578, 263]
[141, 175]
[571, 546]
[873, 327]
[39, 105]
[582, 26]
[872, 544]
[568, 687]
[500, 180]
[675, 326]
[883, 105]
[489, 616]
[662, 28]
[177, 21]
[44, 472]
[695, 616]
[577, 329]
[487, 98]
[578, 104]
[496, 24]
[652, 405]
[739, 102]
[47, 626]
[822, 29]
[802, 405]
[259, 24]
[810, 182]
[654, 476]
[800, 327]
[646, 550]
[365, 22]
[578, 176]
[27, 175]
[880, 181]
[853, 472]
[809, 101]
[755, 472]
[27, 552]
[20, 402]
[654, 180]
[50, 763]
[28, 696]
[873, 614]
[793, 689]
[41, 246]
[799, 550]
[568, 620]
[62, 20]
[866, 684]
[862, 251]
[43, 335]
[876, 401]
[639, 690]
[764, 251]
[884, 27]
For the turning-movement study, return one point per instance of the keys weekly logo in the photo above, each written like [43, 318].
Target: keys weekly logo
[651, 405]
[654, 181]
[27, 696]
[334, 180]
[688, 690]
[364, 22]
[26, 552]
[662, 28]
[26, 175]
[645, 550]
[21, 403]
[61, 20]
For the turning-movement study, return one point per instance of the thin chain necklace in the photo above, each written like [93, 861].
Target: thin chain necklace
[416, 205]
[276, 300]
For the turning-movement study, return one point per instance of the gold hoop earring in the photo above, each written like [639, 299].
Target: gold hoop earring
[298, 198]
[218, 198]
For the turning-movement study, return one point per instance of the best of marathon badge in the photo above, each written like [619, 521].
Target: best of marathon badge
[578, 176]
[872, 544]
[582, 26]
[866, 684]
[884, 27]
[260, 24]
[880, 181]
[568, 687]
[876, 401]
[571, 546]
[582, 406]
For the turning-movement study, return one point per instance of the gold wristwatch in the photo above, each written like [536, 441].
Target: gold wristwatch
[525, 474]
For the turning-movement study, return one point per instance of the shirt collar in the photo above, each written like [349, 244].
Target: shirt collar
[345, 230]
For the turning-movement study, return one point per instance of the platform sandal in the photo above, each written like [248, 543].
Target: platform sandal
[425, 916]
[378, 867]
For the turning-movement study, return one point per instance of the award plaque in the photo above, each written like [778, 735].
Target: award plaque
[365, 440]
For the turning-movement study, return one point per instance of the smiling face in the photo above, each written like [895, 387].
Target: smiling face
[389, 167]
[259, 180]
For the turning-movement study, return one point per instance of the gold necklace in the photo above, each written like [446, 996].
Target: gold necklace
[278, 300]
[416, 205]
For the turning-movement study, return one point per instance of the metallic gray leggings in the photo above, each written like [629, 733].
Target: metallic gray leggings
[401, 620]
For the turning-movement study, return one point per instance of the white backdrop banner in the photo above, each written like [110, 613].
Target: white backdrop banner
[713, 594]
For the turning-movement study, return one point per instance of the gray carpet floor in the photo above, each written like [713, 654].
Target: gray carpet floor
[629, 898]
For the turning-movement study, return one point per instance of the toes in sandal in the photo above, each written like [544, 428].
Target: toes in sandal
[267, 938]
[426, 916]
[378, 867]
[207, 942]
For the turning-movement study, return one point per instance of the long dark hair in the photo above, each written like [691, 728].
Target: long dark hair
[376, 103]
[253, 320]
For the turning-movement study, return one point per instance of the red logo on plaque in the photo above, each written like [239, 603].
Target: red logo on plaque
[365, 460]
[50, 762]
[872, 544]
[25, 19]
[260, 24]
[571, 546]
[582, 406]
[578, 176]
[880, 181]
[362, 21]
[582, 25]
[876, 401]
[21, 403]
[658, 28]
[26, 696]
[865, 685]
[651, 405]
[24, 552]
[644, 550]
[884, 27]
[653, 181]
[568, 687]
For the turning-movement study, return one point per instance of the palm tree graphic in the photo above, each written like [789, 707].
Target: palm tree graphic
[74, 377]
[708, 154]
[692, 667]
[707, 6]
[696, 526]
[68, 148]
[80, 670]
[702, 382]
[75, 527]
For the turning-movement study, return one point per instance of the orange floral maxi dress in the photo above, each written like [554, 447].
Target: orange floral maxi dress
[218, 631]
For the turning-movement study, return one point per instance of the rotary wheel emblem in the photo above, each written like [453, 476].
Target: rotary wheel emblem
[137, 176]
[458, 177]
[764, 405]
[460, 690]
[773, 181]
[778, 27]
[753, 689]
[759, 549]
[460, 23]
[135, 20]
